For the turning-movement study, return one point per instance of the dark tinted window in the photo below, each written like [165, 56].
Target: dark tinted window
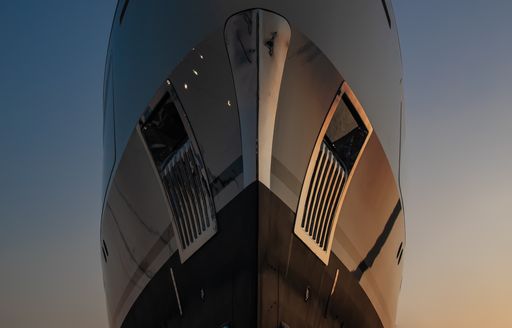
[346, 133]
[164, 131]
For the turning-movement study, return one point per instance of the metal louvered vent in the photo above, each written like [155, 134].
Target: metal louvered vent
[323, 197]
[184, 177]
[322, 201]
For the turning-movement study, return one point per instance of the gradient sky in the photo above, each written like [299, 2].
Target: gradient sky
[457, 58]
[456, 180]
[51, 66]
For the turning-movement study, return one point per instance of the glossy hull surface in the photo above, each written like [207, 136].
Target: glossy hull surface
[252, 164]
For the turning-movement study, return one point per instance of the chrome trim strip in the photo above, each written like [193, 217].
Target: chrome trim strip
[176, 292]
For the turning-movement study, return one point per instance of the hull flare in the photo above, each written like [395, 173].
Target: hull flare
[253, 190]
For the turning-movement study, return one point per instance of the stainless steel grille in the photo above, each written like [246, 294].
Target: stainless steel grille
[323, 197]
[191, 203]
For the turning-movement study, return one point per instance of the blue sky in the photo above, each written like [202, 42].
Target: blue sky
[51, 60]
[457, 59]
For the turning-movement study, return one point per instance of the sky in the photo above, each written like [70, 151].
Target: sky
[457, 58]
[51, 74]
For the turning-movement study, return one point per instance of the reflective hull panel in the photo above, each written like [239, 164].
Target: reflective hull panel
[251, 180]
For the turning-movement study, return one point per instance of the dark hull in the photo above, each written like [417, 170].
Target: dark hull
[254, 273]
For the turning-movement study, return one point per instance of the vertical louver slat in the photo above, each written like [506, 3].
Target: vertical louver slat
[189, 198]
